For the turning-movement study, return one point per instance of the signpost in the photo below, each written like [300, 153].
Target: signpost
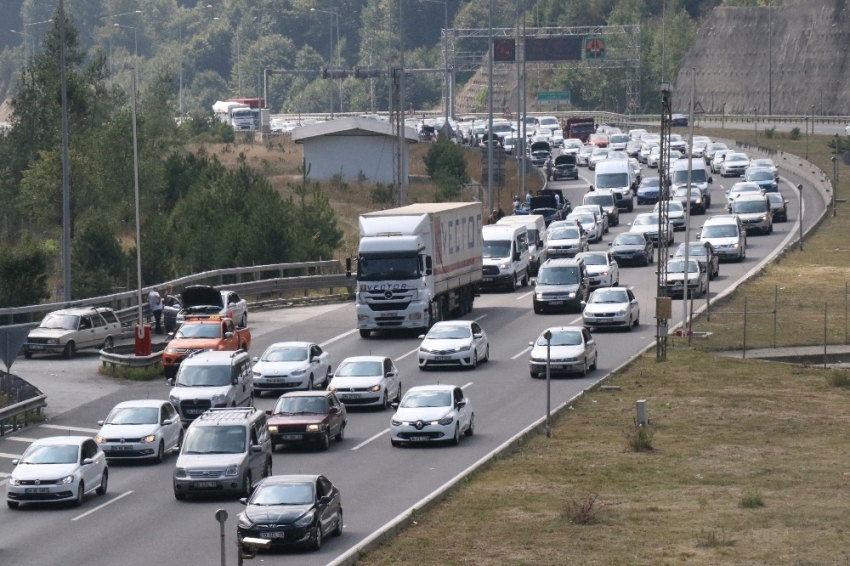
[553, 96]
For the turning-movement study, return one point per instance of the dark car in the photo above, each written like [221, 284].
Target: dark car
[562, 284]
[541, 152]
[565, 168]
[647, 192]
[632, 247]
[563, 202]
[778, 207]
[703, 252]
[547, 207]
[307, 417]
[298, 510]
[679, 120]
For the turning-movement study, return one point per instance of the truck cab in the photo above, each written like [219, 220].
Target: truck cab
[506, 256]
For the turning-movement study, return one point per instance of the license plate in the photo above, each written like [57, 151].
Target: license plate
[37, 490]
[557, 366]
[202, 484]
[420, 438]
[556, 302]
[389, 313]
[273, 380]
[193, 411]
[121, 448]
[266, 534]
[35, 347]
[351, 396]
[293, 436]
[487, 279]
[442, 358]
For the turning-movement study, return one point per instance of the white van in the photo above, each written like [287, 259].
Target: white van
[699, 177]
[616, 176]
[506, 256]
[538, 248]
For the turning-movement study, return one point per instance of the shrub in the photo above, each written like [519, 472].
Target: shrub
[839, 378]
[338, 183]
[710, 539]
[795, 134]
[133, 374]
[582, 511]
[769, 132]
[382, 194]
[639, 438]
[751, 498]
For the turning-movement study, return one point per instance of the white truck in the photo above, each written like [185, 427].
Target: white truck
[235, 114]
[417, 265]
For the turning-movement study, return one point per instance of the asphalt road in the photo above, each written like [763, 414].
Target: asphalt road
[139, 522]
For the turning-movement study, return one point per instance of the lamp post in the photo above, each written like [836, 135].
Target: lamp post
[769, 58]
[756, 123]
[331, 56]
[32, 37]
[32, 42]
[800, 190]
[66, 179]
[548, 336]
[140, 328]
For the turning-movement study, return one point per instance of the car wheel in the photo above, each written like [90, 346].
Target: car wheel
[513, 283]
[108, 343]
[316, 541]
[584, 369]
[81, 494]
[386, 402]
[637, 320]
[487, 353]
[474, 360]
[537, 310]
[325, 442]
[12, 504]
[328, 377]
[27, 355]
[395, 443]
[456, 438]
[179, 495]
[398, 394]
[267, 471]
[244, 320]
[341, 434]
[247, 485]
[365, 333]
[70, 350]
[338, 529]
[533, 374]
[471, 428]
[104, 483]
[310, 386]
[595, 363]
[525, 279]
[160, 452]
[179, 442]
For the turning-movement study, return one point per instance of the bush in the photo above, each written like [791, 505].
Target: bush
[795, 134]
[769, 132]
[581, 512]
[839, 378]
[382, 194]
[338, 183]
[751, 498]
[710, 539]
[23, 273]
[132, 374]
[639, 438]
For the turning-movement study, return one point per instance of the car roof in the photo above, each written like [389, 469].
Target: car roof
[295, 478]
[213, 357]
[364, 359]
[60, 440]
[81, 310]
[313, 393]
[745, 198]
[292, 344]
[453, 323]
[562, 262]
[142, 403]
[563, 328]
[437, 387]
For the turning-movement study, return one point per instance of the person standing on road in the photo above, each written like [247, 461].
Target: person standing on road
[155, 302]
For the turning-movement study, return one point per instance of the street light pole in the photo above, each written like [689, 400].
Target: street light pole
[139, 330]
[769, 58]
[490, 105]
[66, 183]
[32, 42]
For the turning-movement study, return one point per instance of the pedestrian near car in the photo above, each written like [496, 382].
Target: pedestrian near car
[155, 302]
[528, 197]
[558, 201]
[500, 213]
[494, 217]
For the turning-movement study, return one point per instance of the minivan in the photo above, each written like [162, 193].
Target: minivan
[535, 225]
[617, 176]
[506, 256]
[726, 233]
[212, 380]
[754, 212]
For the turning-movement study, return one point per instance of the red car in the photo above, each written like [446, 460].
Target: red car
[599, 140]
[307, 417]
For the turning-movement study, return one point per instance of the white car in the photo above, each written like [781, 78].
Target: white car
[592, 227]
[432, 413]
[645, 150]
[290, 366]
[206, 300]
[675, 213]
[847, 130]
[637, 134]
[734, 164]
[572, 350]
[68, 330]
[612, 307]
[571, 147]
[454, 343]
[647, 224]
[566, 241]
[602, 270]
[597, 212]
[764, 163]
[718, 158]
[599, 154]
[739, 189]
[143, 429]
[58, 469]
[366, 381]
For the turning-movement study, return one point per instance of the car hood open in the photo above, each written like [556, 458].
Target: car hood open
[201, 296]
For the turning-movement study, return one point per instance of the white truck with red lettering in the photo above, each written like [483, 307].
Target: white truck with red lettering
[417, 265]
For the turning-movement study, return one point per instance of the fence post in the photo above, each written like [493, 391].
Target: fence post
[745, 329]
[775, 303]
[845, 314]
[824, 335]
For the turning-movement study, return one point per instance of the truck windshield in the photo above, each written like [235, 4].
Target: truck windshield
[201, 330]
[681, 177]
[376, 268]
[612, 180]
[497, 249]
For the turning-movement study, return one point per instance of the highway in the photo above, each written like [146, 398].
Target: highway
[139, 522]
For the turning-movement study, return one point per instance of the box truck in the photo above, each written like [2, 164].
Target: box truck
[417, 265]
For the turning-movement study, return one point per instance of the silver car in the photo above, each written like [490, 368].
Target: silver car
[291, 366]
[571, 350]
[602, 270]
[454, 343]
[616, 306]
[367, 381]
[142, 429]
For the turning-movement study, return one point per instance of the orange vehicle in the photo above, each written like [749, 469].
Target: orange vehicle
[203, 333]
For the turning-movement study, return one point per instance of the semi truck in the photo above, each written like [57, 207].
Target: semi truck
[417, 265]
[578, 128]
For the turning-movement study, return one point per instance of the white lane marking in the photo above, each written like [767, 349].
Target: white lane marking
[4, 475]
[413, 351]
[20, 438]
[479, 318]
[521, 353]
[467, 385]
[74, 428]
[101, 506]
[338, 337]
[10, 456]
[524, 296]
[365, 442]
[575, 320]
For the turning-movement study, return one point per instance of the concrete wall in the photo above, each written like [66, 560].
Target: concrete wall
[810, 46]
[349, 155]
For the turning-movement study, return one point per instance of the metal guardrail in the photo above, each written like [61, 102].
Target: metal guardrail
[27, 398]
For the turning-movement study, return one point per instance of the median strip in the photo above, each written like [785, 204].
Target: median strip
[365, 442]
[110, 502]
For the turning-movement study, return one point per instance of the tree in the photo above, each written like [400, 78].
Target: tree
[23, 272]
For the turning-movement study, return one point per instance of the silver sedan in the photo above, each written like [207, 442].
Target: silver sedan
[454, 343]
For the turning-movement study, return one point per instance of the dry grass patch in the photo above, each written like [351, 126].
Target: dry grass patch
[728, 433]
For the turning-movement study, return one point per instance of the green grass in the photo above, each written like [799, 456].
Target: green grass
[132, 374]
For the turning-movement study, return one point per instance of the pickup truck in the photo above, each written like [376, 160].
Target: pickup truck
[203, 333]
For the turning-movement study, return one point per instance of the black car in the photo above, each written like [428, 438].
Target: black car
[566, 167]
[563, 202]
[679, 120]
[541, 152]
[778, 207]
[703, 252]
[547, 207]
[290, 511]
[632, 247]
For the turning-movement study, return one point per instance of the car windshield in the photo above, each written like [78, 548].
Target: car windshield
[358, 369]
[496, 249]
[629, 240]
[594, 259]
[762, 163]
[133, 416]
[609, 296]
[60, 322]
[721, 231]
[199, 330]
[681, 177]
[564, 234]
[679, 267]
[776, 197]
[716, 146]
[583, 218]
[760, 175]
[599, 151]
[601, 200]
[51, 454]
[418, 399]
[562, 338]
[283, 494]
[558, 276]
[749, 206]
[650, 182]
[215, 440]
[203, 376]
[745, 189]
[619, 138]
[290, 354]
[696, 250]
[448, 333]
[572, 145]
[682, 193]
[646, 220]
[673, 205]
[736, 157]
[393, 267]
[293, 405]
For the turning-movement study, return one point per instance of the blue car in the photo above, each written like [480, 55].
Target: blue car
[764, 178]
[647, 192]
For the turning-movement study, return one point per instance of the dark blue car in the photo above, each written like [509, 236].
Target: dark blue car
[647, 192]
[763, 178]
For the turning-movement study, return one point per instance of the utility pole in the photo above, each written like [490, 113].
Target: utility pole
[769, 59]
[66, 188]
[402, 169]
[663, 223]
[685, 326]
[490, 105]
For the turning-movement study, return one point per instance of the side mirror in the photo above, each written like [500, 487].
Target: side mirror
[333, 410]
[269, 412]
[87, 461]
[255, 359]
[477, 336]
[429, 267]
[348, 267]
[170, 381]
[461, 404]
[591, 341]
[256, 448]
[228, 335]
[727, 193]
[99, 423]
[167, 422]
[422, 337]
[531, 343]
[243, 500]
[697, 236]
[583, 304]
[610, 244]
[516, 256]
[234, 381]
[534, 283]
[171, 335]
[325, 499]
[15, 462]
[390, 374]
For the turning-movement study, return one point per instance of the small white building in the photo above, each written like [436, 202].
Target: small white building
[350, 146]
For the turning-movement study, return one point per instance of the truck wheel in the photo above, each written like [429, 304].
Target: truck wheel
[28, 355]
[513, 283]
[525, 279]
[365, 333]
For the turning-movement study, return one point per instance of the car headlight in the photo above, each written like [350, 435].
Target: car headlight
[531, 257]
[231, 471]
[257, 373]
[464, 348]
[174, 400]
[362, 317]
[539, 296]
[735, 246]
[621, 313]
[148, 439]
[395, 422]
[306, 520]
[415, 316]
[447, 420]
[219, 398]
[426, 350]
[604, 273]
[313, 428]
[298, 372]
[66, 480]
[170, 351]
[180, 473]
[99, 439]
[13, 481]
[572, 295]
[763, 217]
[375, 388]
[54, 341]
[273, 429]
[244, 522]
[504, 265]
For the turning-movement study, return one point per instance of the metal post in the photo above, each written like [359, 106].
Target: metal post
[807, 137]
[138, 223]
[663, 216]
[221, 517]
[330, 63]
[846, 341]
[524, 90]
[800, 190]
[769, 58]
[835, 175]
[685, 326]
[490, 105]
[180, 44]
[445, 57]
[238, 62]
[775, 307]
[517, 145]
[402, 179]
[824, 335]
[723, 117]
[708, 299]
[756, 124]
[745, 329]
[548, 336]
[66, 182]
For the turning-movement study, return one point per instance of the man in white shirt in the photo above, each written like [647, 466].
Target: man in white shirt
[155, 302]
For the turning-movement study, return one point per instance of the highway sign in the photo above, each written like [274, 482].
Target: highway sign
[553, 96]
[594, 48]
[698, 108]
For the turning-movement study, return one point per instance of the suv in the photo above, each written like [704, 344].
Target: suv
[754, 212]
[68, 330]
[223, 452]
[212, 380]
[726, 233]
[561, 284]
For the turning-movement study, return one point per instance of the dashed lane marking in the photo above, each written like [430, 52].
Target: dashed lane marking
[365, 442]
[66, 428]
[110, 502]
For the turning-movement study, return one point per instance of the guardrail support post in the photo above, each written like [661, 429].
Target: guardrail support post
[744, 355]
[775, 306]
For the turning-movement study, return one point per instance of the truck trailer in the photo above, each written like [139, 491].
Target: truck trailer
[578, 128]
[417, 265]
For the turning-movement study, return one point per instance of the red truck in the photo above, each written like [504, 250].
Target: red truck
[578, 128]
[203, 333]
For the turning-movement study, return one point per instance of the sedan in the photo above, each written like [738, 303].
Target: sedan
[566, 241]
[616, 306]
[739, 189]
[734, 164]
[599, 154]
[598, 213]
[632, 248]
[717, 159]
[647, 192]
[454, 343]
[307, 417]
[764, 178]
[366, 381]
[298, 510]
[584, 155]
[764, 163]
[572, 146]
[432, 413]
[602, 270]
[571, 349]
[778, 207]
[647, 224]
[206, 300]
[286, 366]
[711, 149]
[645, 150]
[591, 225]
[143, 429]
[696, 200]
[704, 253]
[57, 469]
[696, 277]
